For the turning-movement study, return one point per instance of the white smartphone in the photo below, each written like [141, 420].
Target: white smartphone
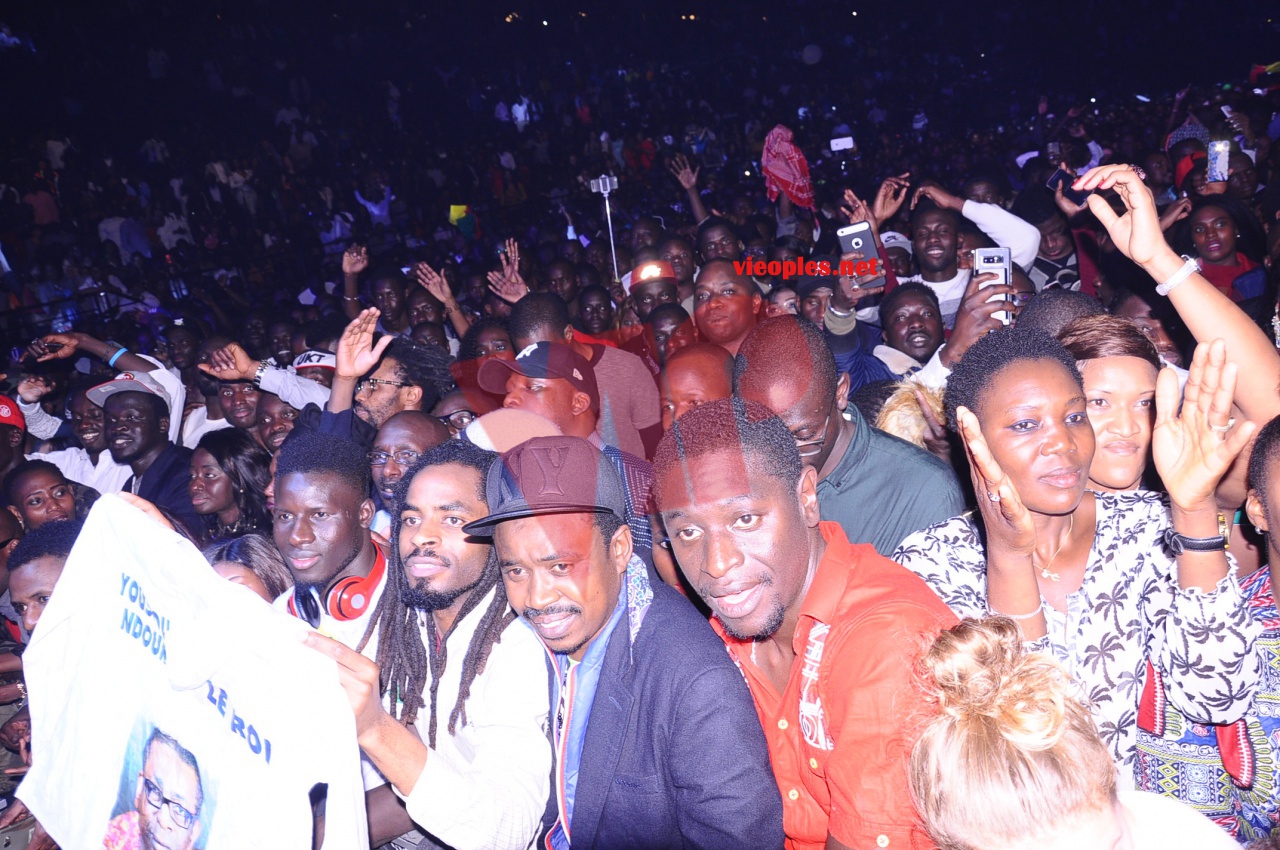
[998, 261]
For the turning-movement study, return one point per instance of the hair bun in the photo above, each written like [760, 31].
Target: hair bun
[978, 674]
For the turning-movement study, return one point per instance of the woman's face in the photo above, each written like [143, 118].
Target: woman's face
[1214, 235]
[242, 575]
[1120, 393]
[1034, 419]
[41, 497]
[210, 487]
[495, 342]
[1139, 312]
[783, 302]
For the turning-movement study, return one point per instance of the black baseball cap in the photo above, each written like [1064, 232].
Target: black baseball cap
[542, 360]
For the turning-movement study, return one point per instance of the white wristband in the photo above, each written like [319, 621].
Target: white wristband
[1190, 267]
[1018, 617]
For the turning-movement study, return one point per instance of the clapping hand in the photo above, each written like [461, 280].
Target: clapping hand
[1193, 446]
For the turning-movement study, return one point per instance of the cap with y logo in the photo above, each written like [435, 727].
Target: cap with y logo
[550, 475]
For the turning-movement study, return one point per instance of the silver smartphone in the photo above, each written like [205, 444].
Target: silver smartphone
[998, 261]
[18, 836]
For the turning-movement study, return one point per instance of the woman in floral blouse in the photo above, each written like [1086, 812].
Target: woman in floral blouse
[1088, 575]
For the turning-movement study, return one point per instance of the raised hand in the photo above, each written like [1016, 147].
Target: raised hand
[434, 282]
[890, 197]
[1174, 213]
[939, 196]
[1194, 446]
[1069, 207]
[54, 347]
[230, 363]
[1010, 528]
[977, 316]
[32, 388]
[852, 289]
[857, 210]
[355, 260]
[357, 353]
[680, 169]
[1137, 233]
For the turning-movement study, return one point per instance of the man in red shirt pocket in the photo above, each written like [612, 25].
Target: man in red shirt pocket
[826, 633]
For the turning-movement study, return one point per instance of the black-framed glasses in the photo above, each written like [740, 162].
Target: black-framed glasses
[811, 447]
[365, 382]
[404, 457]
[182, 818]
[459, 419]
[5, 543]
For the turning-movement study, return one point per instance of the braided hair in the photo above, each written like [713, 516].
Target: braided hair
[407, 664]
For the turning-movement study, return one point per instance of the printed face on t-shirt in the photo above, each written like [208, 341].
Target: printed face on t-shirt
[168, 800]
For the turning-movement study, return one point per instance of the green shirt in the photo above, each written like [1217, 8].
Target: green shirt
[885, 488]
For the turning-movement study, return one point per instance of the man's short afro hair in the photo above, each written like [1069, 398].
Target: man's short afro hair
[53, 539]
[993, 354]
[1266, 451]
[733, 425]
[306, 451]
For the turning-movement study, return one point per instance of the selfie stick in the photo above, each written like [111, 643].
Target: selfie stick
[604, 184]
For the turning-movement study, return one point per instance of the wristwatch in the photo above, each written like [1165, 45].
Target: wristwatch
[1177, 543]
[259, 372]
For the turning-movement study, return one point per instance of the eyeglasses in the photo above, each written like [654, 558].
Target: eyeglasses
[182, 818]
[459, 419]
[365, 382]
[405, 457]
[5, 543]
[811, 447]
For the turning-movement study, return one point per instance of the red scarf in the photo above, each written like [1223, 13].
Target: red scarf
[1223, 276]
[785, 168]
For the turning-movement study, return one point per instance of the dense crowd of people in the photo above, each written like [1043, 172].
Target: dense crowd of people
[619, 534]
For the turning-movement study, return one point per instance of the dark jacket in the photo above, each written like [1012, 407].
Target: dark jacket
[674, 755]
[164, 484]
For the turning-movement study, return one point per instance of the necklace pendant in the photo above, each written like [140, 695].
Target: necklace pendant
[1044, 573]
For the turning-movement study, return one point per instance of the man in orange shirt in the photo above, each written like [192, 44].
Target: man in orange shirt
[826, 633]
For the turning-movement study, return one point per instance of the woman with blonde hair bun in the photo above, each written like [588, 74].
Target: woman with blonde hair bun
[1011, 760]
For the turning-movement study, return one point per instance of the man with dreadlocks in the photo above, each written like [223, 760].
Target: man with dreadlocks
[453, 664]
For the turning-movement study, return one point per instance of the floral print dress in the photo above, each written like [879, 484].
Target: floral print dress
[1128, 609]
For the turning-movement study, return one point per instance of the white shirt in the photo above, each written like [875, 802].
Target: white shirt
[105, 476]
[1007, 231]
[198, 424]
[141, 634]
[487, 784]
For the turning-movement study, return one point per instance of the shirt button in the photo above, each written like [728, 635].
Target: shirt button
[793, 795]
[882, 841]
[782, 724]
[813, 763]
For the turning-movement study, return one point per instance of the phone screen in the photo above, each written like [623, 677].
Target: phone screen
[1064, 178]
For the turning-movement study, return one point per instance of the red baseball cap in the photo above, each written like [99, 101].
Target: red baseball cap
[10, 414]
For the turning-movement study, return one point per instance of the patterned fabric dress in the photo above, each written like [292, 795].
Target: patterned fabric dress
[1128, 609]
[1187, 762]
